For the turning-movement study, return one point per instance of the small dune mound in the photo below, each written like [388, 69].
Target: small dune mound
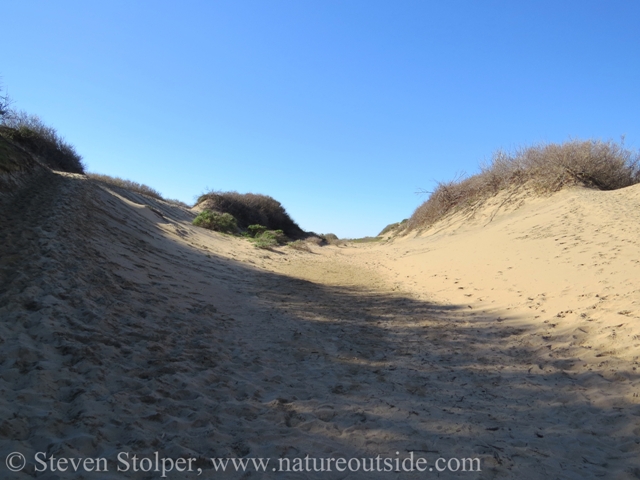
[251, 209]
[542, 168]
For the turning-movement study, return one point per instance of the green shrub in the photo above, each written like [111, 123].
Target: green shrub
[270, 238]
[265, 242]
[546, 168]
[277, 235]
[256, 230]
[220, 222]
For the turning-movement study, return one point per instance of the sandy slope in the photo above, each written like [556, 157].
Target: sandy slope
[510, 337]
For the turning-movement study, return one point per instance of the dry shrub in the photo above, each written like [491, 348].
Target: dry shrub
[322, 239]
[394, 228]
[251, 209]
[314, 240]
[5, 104]
[30, 132]
[332, 239]
[175, 202]
[546, 168]
[128, 185]
[300, 245]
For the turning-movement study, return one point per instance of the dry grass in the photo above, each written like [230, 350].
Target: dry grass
[315, 240]
[30, 132]
[251, 209]
[545, 168]
[394, 228]
[127, 184]
[300, 245]
[176, 202]
[332, 239]
[365, 240]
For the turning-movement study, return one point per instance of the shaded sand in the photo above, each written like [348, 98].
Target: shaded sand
[511, 337]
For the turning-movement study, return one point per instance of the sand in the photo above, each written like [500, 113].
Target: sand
[511, 336]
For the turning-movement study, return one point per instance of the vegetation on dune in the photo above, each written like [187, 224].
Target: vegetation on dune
[262, 237]
[545, 168]
[252, 209]
[126, 184]
[31, 133]
[319, 240]
[220, 222]
[5, 104]
[135, 187]
[332, 239]
[394, 227]
[322, 239]
[270, 238]
[301, 245]
[256, 230]
[365, 240]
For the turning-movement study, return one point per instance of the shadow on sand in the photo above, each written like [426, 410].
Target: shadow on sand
[115, 338]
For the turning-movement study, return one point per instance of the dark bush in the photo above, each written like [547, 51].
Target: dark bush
[33, 135]
[252, 209]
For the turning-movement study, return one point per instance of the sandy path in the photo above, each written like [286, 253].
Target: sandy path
[125, 328]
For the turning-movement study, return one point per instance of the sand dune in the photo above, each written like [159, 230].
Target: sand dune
[511, 336]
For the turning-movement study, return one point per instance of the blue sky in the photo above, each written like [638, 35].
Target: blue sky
[341, 110]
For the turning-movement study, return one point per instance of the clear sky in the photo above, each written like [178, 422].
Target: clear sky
[341, 110]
